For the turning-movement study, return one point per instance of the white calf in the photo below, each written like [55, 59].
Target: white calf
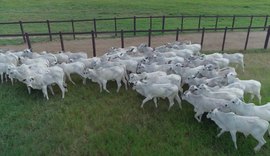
[241, 108]
[102, 75]
[55, 75]
[202, 103]
[73, 68]
[245, 124]
[236, 58]
[249, 86]
[151, 91]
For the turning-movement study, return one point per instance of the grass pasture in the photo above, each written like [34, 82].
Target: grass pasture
[87, 122]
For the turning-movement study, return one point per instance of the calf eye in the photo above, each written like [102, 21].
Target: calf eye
[24, 79]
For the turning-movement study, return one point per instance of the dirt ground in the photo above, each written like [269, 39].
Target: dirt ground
[212, 42]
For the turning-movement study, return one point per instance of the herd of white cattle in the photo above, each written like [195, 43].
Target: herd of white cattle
[154, 73]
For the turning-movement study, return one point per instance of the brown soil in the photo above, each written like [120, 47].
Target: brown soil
[212, 42]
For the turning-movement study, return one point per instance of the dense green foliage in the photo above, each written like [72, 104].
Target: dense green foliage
[89, 122]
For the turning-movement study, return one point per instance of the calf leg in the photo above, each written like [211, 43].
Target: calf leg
[84, 81]
[125, 82]
[145, 100]
[100, 87]
[118, 85]
[220, 133]
[198, 115]
[6, 77]
[180, 89]
[260, 144]
[259, 98]
[155, 101]
[68, 75]
[243, 66]
[251, 97]
[11, 79]
[45, 92]
[177, 98]
[171, 102]
[233, 134]
[29, 89]
[2, 78]
[63, 89]
[65, 86]
[104, 84]
[51, 89]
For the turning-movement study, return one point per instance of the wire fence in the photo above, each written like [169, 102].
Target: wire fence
[149, 32]
[27, 36]
[135, 23]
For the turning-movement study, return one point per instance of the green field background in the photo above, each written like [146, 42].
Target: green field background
[36, 10]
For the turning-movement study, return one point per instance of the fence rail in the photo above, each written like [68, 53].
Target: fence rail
[149, 32]
[134, 22]
[95, 31]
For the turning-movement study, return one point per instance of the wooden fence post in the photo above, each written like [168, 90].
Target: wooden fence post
[150, 22]
[265, 22]
[216, 23]
[61, 41]
[22, 31]
[233, 22]
[115, 27]
[267, 38]
[202, 39]
[182, 23]
[28, 41]
[163, 23]
[122, 39]
[177, 34]
[93, 43]
[149, 37]
[246, 43]
[134, 25]
[95, 27]
[199, 23]
[224, 38]
[73, 29]
[49, 30]
[251, 20]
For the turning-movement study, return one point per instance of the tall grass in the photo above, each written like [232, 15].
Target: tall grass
[87, 122]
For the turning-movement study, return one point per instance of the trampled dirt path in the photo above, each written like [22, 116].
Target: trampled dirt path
[212, 42]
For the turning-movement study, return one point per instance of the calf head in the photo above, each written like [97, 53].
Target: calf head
[212, 114]
[229, 106]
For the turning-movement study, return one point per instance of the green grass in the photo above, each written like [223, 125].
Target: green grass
[87, 122]
[15, 10]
